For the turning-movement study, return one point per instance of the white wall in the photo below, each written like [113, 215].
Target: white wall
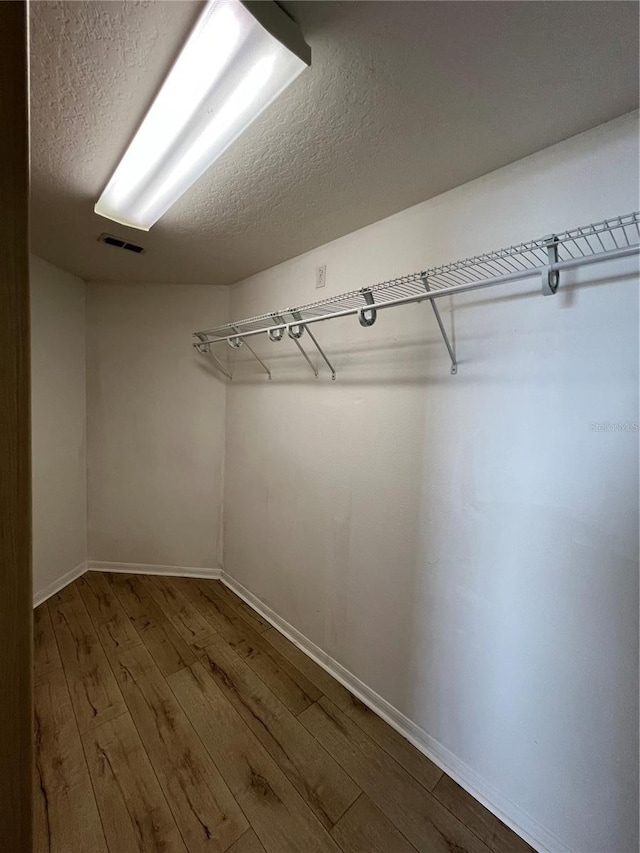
[156, 415]
[467, 546]
[58, 414]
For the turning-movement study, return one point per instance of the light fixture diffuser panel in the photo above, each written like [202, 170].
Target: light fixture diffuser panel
[230, 69]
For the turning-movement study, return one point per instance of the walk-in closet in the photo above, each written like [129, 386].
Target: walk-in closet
[319, 406]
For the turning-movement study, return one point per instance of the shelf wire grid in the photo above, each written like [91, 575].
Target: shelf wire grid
[582, 244]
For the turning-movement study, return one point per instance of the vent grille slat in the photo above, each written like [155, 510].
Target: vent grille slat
[119, 243]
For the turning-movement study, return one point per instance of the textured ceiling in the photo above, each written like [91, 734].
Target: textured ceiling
[403, 101]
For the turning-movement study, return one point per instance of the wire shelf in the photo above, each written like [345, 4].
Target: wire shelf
[609, 239]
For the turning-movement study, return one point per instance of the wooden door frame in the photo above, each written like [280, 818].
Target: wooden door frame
[16, 597]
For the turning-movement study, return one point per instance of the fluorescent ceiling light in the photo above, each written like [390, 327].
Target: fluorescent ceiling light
[237, 60]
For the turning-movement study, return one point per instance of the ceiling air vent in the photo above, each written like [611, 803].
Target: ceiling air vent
[110, 240]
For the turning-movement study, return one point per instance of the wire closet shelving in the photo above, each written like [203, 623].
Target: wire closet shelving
[610, 239]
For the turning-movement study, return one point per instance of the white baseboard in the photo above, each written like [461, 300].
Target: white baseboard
[147, 569]
[130, 568]
[497, 802]
[43, 594]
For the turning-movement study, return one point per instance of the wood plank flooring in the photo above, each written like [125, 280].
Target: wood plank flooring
[172, 718]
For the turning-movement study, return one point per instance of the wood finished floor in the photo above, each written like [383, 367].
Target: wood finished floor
[171, 718]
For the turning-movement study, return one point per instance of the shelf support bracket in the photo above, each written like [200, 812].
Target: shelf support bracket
[320, 350]
[237, 342]
[303, 353]
[220, 366]
[295, 332]
[204, 347]
[550, 278]
[443, 332]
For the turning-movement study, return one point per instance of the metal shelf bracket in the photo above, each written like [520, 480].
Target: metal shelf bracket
[321, 351]
[294, 332]
[443, 332]
[204, 348]
[237, 341]
[294, 335]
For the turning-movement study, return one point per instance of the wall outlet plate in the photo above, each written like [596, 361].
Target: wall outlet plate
[321, 275]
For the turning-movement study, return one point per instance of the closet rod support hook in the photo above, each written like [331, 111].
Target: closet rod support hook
[367, 316]
[550, 277]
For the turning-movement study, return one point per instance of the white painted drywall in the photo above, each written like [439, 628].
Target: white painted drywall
[467, 546]
[156, 415]
[58, 416]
